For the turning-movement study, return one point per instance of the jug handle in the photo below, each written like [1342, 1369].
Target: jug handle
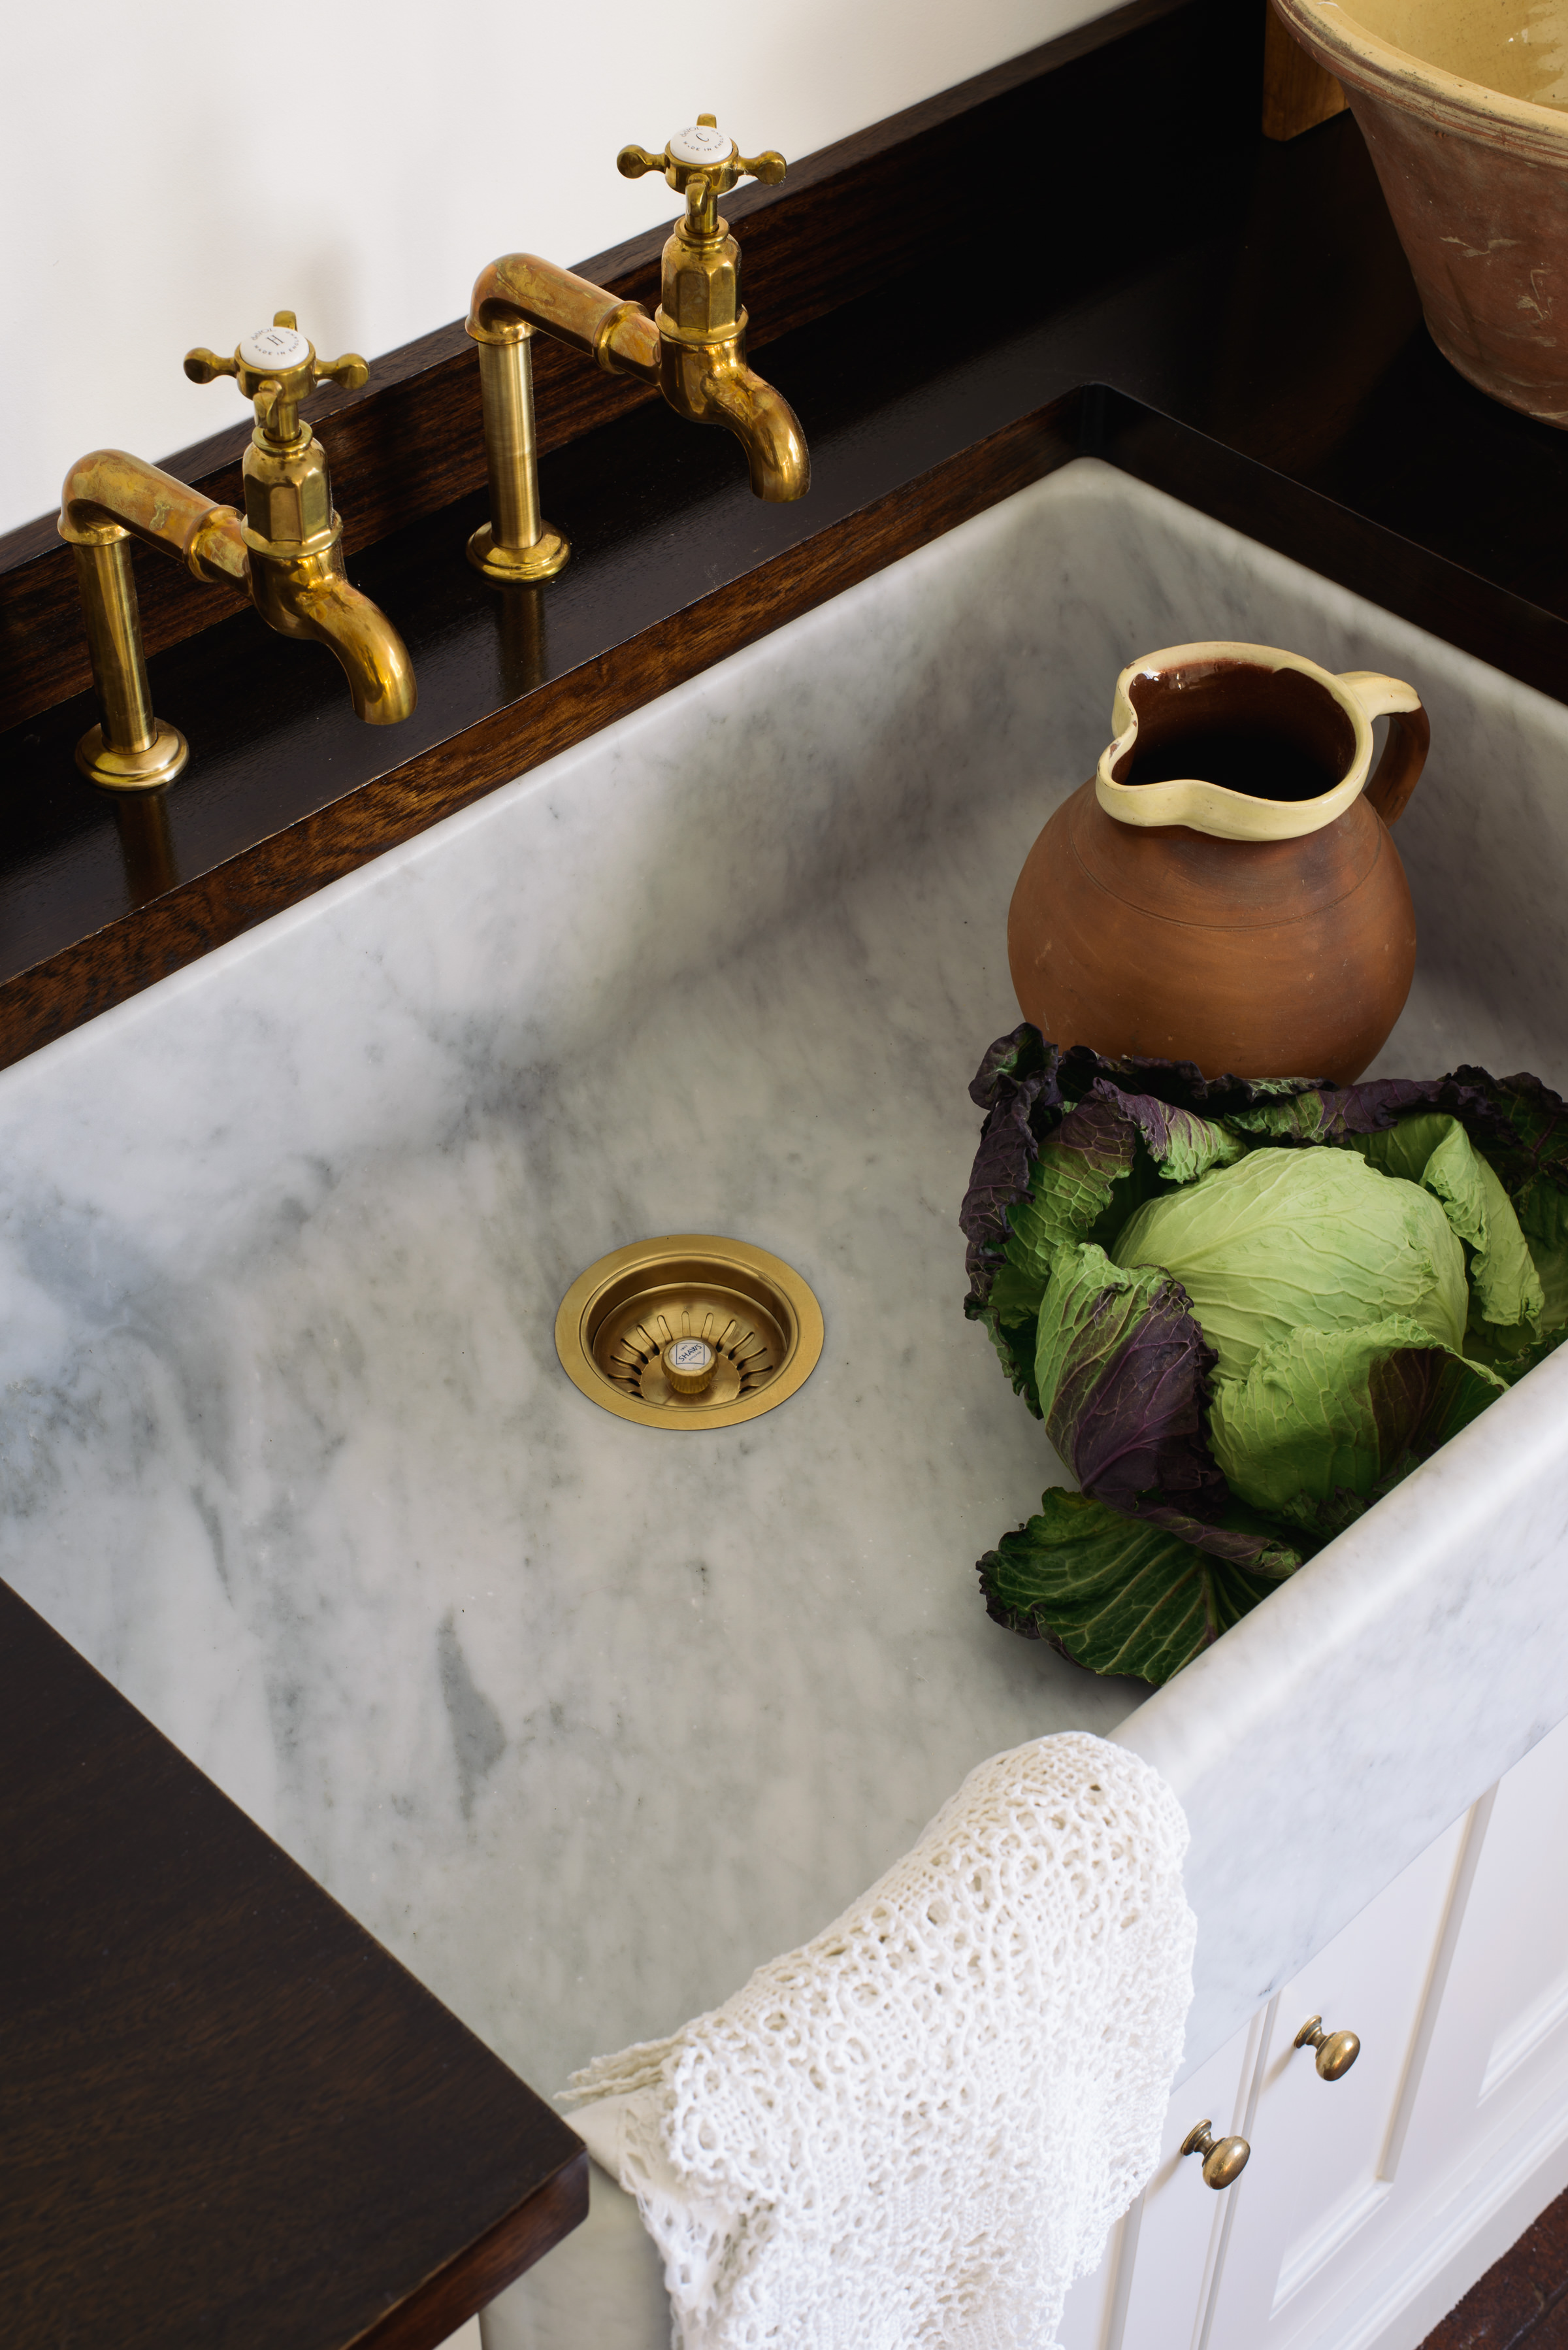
[1409, 738]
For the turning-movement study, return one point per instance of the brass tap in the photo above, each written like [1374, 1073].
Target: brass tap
[694, 348]
[287, 552]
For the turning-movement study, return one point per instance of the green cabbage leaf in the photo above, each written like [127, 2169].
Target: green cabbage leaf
[1245, 1311]
[1114, 1593]
[1291, 1240]
[1324, 1421]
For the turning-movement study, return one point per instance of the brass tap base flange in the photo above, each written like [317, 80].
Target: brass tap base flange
[133, 771]
[509, 565]
[750, 1311]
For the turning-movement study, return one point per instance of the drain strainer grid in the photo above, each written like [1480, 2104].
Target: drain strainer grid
[689, 1331]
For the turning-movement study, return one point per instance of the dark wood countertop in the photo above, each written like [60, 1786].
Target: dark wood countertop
[227, 2115]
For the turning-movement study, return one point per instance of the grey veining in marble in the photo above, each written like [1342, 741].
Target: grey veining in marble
[582, 1720]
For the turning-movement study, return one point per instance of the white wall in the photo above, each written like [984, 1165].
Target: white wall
[175, 171]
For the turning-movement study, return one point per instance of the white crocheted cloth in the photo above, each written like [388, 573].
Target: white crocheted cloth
[919, 2128]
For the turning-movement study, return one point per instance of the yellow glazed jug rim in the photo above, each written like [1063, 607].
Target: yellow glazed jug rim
[1369, 58]
[1362, 694]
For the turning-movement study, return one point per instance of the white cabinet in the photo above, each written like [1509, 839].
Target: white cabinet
[1326, 2167]
[1373, 2202]
[1161, 2258]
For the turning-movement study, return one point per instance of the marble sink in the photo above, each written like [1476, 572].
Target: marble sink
[585, 1722]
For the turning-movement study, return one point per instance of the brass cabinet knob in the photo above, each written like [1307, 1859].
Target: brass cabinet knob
[1224, 2159]
[1336, 2051]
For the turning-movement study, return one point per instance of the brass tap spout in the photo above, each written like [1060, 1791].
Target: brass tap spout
[764, 424]
[695, 349]
[312, 598]
[286, 553]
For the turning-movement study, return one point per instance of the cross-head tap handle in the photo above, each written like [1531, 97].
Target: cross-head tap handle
[276, 366]
[702, 165]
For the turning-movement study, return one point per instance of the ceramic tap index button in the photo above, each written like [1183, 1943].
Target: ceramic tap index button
[689, 1364]
[274, 349]
[700, 144]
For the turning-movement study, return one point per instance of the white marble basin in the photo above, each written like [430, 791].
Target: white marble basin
[583, 1720]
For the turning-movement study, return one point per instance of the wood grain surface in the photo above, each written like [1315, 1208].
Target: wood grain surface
[226, 2113]
[1297, 93]
[69, 987]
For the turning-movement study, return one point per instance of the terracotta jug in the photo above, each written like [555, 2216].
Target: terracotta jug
[1223, 889]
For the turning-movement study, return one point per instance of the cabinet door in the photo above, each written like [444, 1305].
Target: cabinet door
[1150, 2291]
[1501, 2040]
[1365, 2210]
[1321, 2177]
[1487, 2145]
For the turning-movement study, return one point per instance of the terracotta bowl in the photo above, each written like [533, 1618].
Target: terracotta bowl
[1464, 107]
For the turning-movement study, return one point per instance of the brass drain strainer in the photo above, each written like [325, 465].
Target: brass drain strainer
[689, 1332]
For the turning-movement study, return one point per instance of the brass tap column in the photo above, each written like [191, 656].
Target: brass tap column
[515, 543]
[695, 349]
[130, 751]
[108, 499]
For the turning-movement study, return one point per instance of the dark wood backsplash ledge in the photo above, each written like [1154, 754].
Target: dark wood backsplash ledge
[1089, 250]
